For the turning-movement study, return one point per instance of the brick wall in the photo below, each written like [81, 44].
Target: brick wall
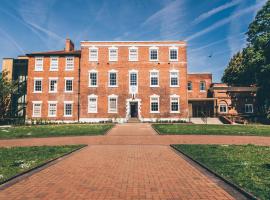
[195, 79]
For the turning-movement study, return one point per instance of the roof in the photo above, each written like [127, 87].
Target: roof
[242, 89]
[195, 73]
[54, 53]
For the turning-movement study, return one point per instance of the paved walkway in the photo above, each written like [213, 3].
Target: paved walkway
[112, 167]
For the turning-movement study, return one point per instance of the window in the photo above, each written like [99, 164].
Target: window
[248, 108]
[37, 85]
[52, 108]
[92, 103]
[133, 54]
[154, 76]
[173, 54]
[93, 78]
[68, 106]
[223, 108]
[113, 78]
[174, 82]
[154, 104]
[189, 86]
[202, 86]
[174, 99]
[133, 81]
[38, 63]
[153, 53]
[68, 84]
[93, 54]
[113, 54]
[52, 85]
[112, 104]
[37, 108]
[69, 63]
[54, 64]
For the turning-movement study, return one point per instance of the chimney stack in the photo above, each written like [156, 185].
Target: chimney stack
[69, 45]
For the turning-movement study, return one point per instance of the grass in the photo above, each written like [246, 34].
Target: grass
[248, 166]
[16, 160]
[39, 131]
[195, 129]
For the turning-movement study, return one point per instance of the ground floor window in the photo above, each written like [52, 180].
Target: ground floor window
[112, 104]
[92, 104]
[174, 104]
[223, 108]
[68, 109]
[37, 109]
[52, 107]
[154, 104]
[248, 108]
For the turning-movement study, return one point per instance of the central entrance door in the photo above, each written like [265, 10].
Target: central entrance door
[134, 109]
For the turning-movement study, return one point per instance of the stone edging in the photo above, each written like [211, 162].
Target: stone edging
[18, 177]
[106, 133]
[157, 131]
[236, 187]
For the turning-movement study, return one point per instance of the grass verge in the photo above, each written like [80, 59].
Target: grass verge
[195, 129]
[39, 131]
[247, 166]
[16, 160]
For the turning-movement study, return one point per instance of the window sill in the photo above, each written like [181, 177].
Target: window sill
[154, 112]
[154, 86]
[112, 86]
[133, 60]
[68, 91]
[93, 60]
[36, 116]
[52, 92]
[174, 86]
[173, 60]
[51, 115]
[202, 90]
[92, 112]
[69, 69]
[190, 90]
[67, 115]
[112, 112]
[38, 70]
[93, 86]
[174, 112]
[38, 92]
[153, 60]
[53, 70]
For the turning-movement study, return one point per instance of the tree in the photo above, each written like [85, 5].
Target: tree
[7, 88]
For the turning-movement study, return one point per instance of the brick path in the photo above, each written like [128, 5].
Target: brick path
[112, 168]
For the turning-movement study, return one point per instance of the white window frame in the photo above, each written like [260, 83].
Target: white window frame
[39, 66]
[173, 48]
[68, 102]
[204, 86]
[93, 96]
[252, 109]
[38, 79]
[151, 101]
[70, 79]
[220, 105]
[33, 108]
[191, 86]
[112, 96]
[49, 107]
[67, 62]
[89, 82]
[111, 58]
[151, 75]
[109, 81]
[56, 87]
[129, 79]
[129, 54]
[92, 58]
[54, 64]
[153, 48]
[174, 71]
[171, 101]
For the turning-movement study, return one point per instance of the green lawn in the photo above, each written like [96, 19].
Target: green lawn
[53, 130]
[16, 160]
[195, 129]
[248, 166]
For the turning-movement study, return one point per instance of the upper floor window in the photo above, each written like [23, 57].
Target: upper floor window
[53, 85]
[38, 63]
[68, 108]
[38, 85]
[68, 84]
[52, 108]
[133, 54]
[202, 86]
[113, 54]
[37, 108]
[174, 101]
[93, 54]
[223, 108]
[133, 81]
[112, 78]
[112, 103]
[189, 86]
[54, 63]
[154, 104]
[92, 103]
[174, 78]
[154, 78]
[153, 54]
[173, 54]
[93, 78]
[248, 108]
[69, 63]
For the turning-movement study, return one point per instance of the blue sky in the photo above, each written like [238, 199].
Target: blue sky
[210, 27]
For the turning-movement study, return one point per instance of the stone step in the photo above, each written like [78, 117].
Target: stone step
[133, 120]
